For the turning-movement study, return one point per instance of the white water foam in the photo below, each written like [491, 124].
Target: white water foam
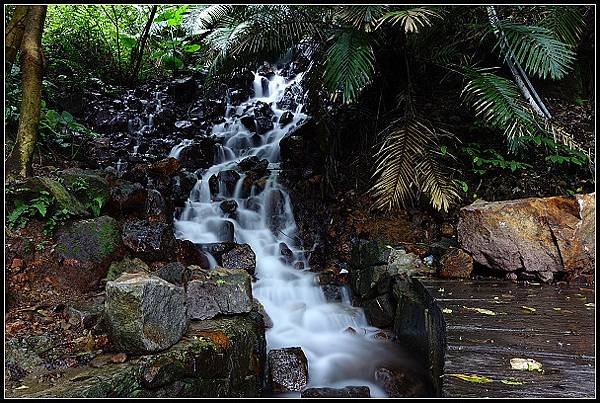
[301, 315]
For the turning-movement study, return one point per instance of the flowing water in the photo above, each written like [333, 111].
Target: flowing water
[290, 294]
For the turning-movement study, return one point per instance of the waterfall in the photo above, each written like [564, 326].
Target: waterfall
[290, 294]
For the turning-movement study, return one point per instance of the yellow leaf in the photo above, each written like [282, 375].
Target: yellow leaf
[472, 378]
[446, 310]
[511, 382]
[528, 308]
[481, 310]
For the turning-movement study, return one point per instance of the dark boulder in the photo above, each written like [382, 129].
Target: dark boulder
[401, 383]
[85, 250]
[144, 313]
[175, 273]
[249, 123]
[288, 369]
[379, 311]
[199, 154]
[228, 179]
[156, 208]
[286, 253]
[345, 392]
[188, 253]
[149, 240]
[228, 206]
[218, 292]
[240, 257]
[183, 89]
[275, 209]
[286, 118]
[181, 186]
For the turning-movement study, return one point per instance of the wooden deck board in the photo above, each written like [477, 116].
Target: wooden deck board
[560, 334]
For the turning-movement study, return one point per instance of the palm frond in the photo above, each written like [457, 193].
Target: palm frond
[361, 17]
[498, 101]
[565, 22]
[411, 20]
[537, 49]
[404, 163]
[349, 64]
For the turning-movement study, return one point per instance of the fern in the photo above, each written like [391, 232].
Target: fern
[411, 20]
[565, 22]
[405, 163]
[349, 64]
[538, 50]
[498, 101]
[364, 18]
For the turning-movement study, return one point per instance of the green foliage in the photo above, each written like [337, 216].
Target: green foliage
[498, 102]
[411, 20]
[538, 50]
[349, 64]
[565, 22]
[490, 159]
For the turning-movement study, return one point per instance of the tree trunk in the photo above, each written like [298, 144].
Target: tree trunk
[19, 161]
[14, 36]
[138, 54]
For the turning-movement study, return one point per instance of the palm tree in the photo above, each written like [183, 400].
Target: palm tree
[345, 44]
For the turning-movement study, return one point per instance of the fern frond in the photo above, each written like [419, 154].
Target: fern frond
[537, 49]
[349, 64]
[405, 163]
[411, 20]
[565, 22]
[361, 17]
[498, 101]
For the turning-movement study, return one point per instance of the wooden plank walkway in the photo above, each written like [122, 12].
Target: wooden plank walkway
[560, 334]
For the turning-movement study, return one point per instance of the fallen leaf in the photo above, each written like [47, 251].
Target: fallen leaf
[591, 304]
[557, 309]
[528, 308]
[481, 310]
[511, 382]
[22, 387]
[118, 358]
[446, 310]
[472, 378]
[525, 364]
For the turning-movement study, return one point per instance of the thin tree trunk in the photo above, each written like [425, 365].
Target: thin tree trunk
[19, 161]
[14, 36]
[138, 54]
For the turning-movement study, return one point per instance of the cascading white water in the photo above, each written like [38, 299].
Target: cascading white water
[291, 296]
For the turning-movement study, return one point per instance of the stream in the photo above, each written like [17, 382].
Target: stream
[264, 219]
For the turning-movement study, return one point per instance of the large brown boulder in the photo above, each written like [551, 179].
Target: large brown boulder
[539, 235]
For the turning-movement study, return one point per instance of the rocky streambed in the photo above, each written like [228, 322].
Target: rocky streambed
[179, 227]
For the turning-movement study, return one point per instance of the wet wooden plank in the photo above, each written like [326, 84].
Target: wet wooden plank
[490, 322]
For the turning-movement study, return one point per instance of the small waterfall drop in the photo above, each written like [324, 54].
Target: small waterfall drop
[290, 294]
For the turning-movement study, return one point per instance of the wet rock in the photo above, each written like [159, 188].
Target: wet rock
[407, 264]
[156, 208]
[126, 198]
[347, 392]
[268, 322]
[144, 313]
[379, 311]
[188, 253]
[183, 89]
[253, 203]
[400, 383]
[262, 117]
[219, 292]
[184, 125]
[228, 206]
[199, 154]
[254, 165]
[286, 253]
[551, 234]
[213, 185]
[447, 230]
[86, 315]
[241, 257]
[228, 179]
[175, 273]
[286, 118]
[150, 240]
[372, 281]
[217, 249]
[456, 263]
[181, 186]
[127, 265]
[224, 230]
[370, 253]
[85, 250]
[249, 123]
[288, 369]
[265, 70]
[165, 167]
[333, 293]
[275, 210]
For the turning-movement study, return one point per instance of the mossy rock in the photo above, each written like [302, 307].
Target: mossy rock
[30, 189]
[127, 265]
[216, 358]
